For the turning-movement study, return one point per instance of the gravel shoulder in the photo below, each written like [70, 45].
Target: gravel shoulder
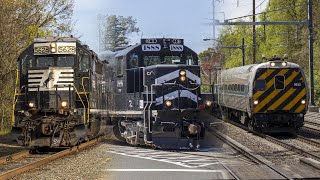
[272, 152]
[83, 165]
[8, 146]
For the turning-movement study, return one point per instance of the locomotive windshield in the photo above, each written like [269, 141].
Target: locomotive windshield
[154, 60]
[59, 61]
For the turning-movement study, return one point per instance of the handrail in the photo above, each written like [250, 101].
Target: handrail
[14, 98]
[84, 107]
[82, 83]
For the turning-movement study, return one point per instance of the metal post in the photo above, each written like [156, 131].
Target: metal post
[312, 106]
[254, 34]
[210, 81]
[243, 52]
[213, 19]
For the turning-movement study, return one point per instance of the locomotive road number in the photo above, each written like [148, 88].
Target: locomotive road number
[66, 49]
[297, 84]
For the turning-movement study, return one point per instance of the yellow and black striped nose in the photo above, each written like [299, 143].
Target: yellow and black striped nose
[291, 98]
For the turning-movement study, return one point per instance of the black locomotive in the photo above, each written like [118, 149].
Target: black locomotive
[155, 94]
[60, 94]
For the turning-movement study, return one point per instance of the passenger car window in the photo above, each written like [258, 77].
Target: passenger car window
[279, 82]
[260, 85]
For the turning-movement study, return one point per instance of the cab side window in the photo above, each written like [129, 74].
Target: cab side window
[84, 63]
[120, 67]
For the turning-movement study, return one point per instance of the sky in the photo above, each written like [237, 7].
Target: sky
[186, 19]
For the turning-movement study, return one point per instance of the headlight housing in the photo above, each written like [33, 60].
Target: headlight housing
[303, 101]
[64, 104]
[31, 105]
[168, 103]
[256, 102]
[208, 103]
[272, 64]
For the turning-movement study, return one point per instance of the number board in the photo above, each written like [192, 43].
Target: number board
[66, 49]
[61, 48]
[41, 50]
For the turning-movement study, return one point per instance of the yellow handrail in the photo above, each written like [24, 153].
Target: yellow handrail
[81, 102]
[14, 98]
[85, 93]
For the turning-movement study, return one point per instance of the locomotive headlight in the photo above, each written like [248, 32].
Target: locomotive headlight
[255, 102]
[31, 104]
[182, 73]
[168, 103]
[284, 64]
[183, 78]
[272, 64]
[208, 103]
[303, 101]
[53, 45]
[64, 104]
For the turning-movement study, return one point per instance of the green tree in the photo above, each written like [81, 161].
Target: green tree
[116, 30]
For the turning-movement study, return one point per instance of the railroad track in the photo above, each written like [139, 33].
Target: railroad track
[312, 126]
[24, 161]
[281, 143]
[247, 153]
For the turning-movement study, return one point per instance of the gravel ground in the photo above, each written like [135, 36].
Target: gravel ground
[301, 145]
[313, 117]
[82, 165]
[273, 152]
[309, 134]
[8, 146]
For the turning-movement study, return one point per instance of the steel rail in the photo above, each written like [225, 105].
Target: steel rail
[32, 165]
[14, 156]
[254, 157]
[279, 142]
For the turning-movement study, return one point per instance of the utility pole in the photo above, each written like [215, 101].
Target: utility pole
[243, 52]
[312, 106]
[254, 33]
[214, 25]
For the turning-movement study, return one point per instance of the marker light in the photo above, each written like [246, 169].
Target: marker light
[303, 101]
[31, 104]
[272, 64]
[208, 103]
[255, 102]
[64, 103]
[168, 103]
[284, 64]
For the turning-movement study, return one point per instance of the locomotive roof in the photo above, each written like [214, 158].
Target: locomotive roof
[54, 39]
[125, 51]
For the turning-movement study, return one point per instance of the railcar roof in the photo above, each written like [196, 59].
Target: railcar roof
[253, 67]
